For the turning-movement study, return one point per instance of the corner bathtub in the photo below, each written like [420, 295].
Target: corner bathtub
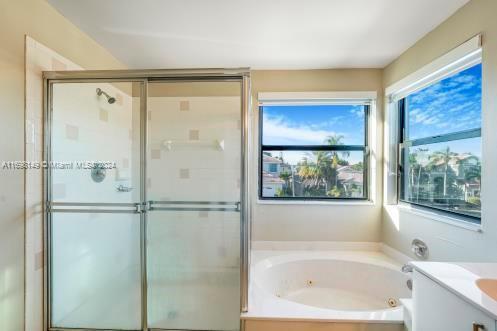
[326, 286]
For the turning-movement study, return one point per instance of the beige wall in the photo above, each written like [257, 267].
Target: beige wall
[316, 222]
[447, 242]
[39, 20]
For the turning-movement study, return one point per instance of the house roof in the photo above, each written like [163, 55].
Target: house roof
[351, 177]
[457, 159]
[271, 159]
[348, 169]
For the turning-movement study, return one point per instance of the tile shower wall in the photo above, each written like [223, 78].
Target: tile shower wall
[87, 128]
[193, 256]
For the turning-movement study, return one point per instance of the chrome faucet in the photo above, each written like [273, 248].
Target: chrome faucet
[406, 268]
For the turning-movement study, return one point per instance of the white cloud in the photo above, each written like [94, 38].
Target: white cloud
[278, 130]
[449, 105]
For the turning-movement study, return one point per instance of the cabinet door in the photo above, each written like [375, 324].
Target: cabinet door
[437, 309]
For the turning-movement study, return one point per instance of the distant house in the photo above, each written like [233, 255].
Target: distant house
[271, 164]
[352, 181]
[459, 166]
[271, 184]
[461, 163]
[471, 190]
[272, 167]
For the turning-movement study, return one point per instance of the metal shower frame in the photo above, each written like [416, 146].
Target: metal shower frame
[143, 77]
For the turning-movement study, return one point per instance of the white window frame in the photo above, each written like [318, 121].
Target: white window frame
[462, 57]
[325, 98]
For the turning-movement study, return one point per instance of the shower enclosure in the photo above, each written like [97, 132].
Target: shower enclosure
[146, 190]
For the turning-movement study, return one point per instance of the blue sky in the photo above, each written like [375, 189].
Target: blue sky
[310, 125]
[451, 105]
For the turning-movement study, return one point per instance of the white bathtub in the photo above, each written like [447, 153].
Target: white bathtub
[334, 286]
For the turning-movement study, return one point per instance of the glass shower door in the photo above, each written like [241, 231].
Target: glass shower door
[94, 188]
[193, 192]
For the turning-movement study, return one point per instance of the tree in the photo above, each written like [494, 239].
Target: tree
[335, 140]
[443, 156]
[414, 167]
[322, 173]
[336, 192]
[358, 166]
[473, 173]
[318, 173]
[420, 156]
[285, 176]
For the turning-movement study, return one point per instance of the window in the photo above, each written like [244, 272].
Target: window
[440, 155]
[316, 151]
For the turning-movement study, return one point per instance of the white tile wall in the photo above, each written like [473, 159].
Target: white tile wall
[79, 134]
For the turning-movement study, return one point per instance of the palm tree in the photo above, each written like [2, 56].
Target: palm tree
[317, 173]
[308, 173]
[334, 140]
[443, 156]
[285, 176]
[412, 168]
[419, 152]
[323, 172]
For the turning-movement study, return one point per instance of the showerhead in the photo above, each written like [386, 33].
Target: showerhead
[110, 99]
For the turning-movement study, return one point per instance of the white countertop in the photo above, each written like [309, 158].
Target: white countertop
[460, 279]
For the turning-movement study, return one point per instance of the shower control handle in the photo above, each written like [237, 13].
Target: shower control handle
[122, 188]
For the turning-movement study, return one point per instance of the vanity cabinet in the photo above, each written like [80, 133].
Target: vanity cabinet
[435, 308]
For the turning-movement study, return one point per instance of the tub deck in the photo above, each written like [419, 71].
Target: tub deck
[268, 311]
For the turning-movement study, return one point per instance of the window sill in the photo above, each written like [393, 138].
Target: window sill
[316, 202]
[440, 217]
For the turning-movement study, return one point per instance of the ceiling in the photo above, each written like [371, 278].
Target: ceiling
[262, 34]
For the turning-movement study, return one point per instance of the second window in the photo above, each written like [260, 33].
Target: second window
[314, 152]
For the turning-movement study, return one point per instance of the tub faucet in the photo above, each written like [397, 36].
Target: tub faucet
[406, 268]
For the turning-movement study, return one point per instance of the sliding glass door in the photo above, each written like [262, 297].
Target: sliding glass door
[146, 224]
[193, 185]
